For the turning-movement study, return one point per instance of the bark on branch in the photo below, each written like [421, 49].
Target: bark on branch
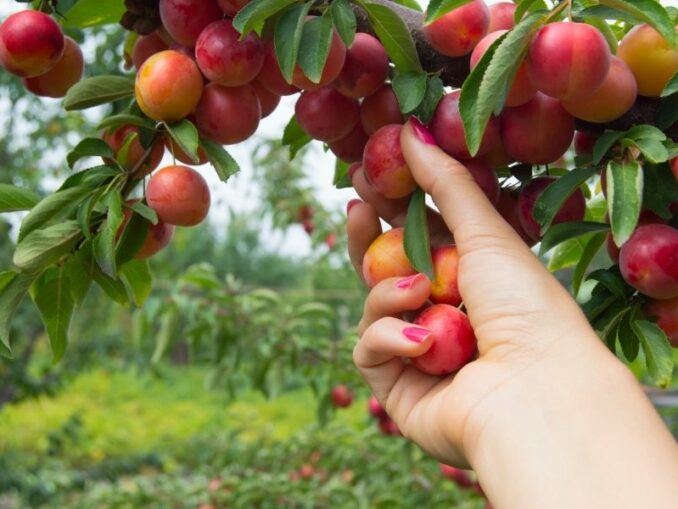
[453, 72]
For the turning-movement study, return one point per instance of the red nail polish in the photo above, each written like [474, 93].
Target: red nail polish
[407, 282]
[422, 133]
[350, 205]
[416, 334]
[352, 169]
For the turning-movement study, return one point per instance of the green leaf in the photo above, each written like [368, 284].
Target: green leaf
[55, 302]
[287, 38]
[604, 144]
[394, 35]
[645, 132]
[567, 253]
[341, 177]
[114, 288]
[145, 211]
[89, 147]
[595, 242]
[91, 178]
[564, 231]
[551, 200]
[524, 6]
[629, 342]
[434, 93]
[91, 13]
[104, 242]
[41, 248]
[344, 20]
[417, 243]
[624, 198]
[653, 150]
[11, 295]
[220, 159]
[137, 278]
[132, 239]
[410, 4]
[650, 12]
[114, 121]
[315, 47]
[13, 199]
[6, 277]
[438, 8]
[78, 275]
[410, 89]
[256, 12]
[657, 351]
[612, 280]
[295, 137]
[660, 189]
[667, 115]
[671, 87]
[485, 88]
[98, 90]
[186, 136]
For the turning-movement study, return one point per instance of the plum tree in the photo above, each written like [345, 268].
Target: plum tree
[573, 209]
[185, 19]
[228, 115]
[538, 132]
[453, 343]
[59, 79]
[227, 59]
[456, 33]
[384, 165]
[179, 195]
[380, 109]
[448, 129]
[568, 60]
[31, 43]
[365, 68]
[649, 261]
[158, 236]
[650, 57]
[386, 258]
[613, 98]
[326, 114]
[168, 86]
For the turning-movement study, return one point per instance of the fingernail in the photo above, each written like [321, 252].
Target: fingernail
[351, 204]
[422, 133]
[416, 334]
[407, 282]
[352, 169]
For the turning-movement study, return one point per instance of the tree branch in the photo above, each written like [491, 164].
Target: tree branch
[453, 72]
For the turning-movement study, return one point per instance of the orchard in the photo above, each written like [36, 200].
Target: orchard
[564, 112]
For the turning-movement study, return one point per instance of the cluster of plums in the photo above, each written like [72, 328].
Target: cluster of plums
[33, 47]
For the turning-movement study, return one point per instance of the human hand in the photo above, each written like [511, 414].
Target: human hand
[527, 325]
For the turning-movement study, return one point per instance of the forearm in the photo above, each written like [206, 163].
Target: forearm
[583, 435]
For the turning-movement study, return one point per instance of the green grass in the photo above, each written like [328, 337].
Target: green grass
[127, 412]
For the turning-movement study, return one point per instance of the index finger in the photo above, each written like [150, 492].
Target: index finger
[462, 203]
